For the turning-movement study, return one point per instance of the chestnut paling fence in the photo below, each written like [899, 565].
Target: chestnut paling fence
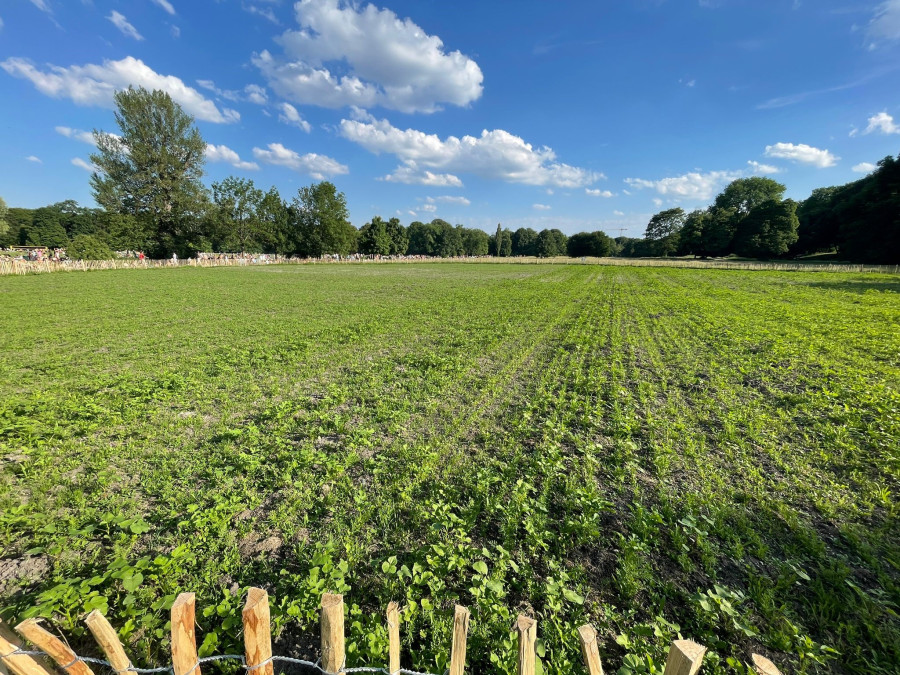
[16, 266]
[51, 653]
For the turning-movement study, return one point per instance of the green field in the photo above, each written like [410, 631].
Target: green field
[656, 451]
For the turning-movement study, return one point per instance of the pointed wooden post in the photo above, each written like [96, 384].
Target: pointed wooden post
[20, 664]
[106, 637]
[184, 637]
[527, 629]
[393, 624]
[257, 633]
[763, 666]
[590, 650]
[55, 648]
[460, 631]
[332, 625]
[685, 658]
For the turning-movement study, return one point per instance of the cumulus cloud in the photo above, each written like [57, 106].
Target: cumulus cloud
[618, 213]
[222, 153]
[541, 207]
[448, 200]
[495, 155]
[81, 164]
[94, 84]
[598, 193]
[166, 5]
[692, 186]
[346, 54]
[429, 208]
[32, 158]
[120, 22]
[77, 134]
[252, 92]
[802, 154]
[763, 169]
[885, 24]
[883, 123]
[411, 174]
[865, 167]
[289, 115]
[317, 166]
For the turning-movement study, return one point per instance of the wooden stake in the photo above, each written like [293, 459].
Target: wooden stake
[106, 637]
[20, 664]
[393, 623]
[184, 637]
[527, 635]
[685, 658]
[332, 623]
[460, 631]
[764, 666]
[589, 649]
[55, 648]
[257, 633]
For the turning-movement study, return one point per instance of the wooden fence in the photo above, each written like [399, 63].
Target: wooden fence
[685, 656]
[16, 266]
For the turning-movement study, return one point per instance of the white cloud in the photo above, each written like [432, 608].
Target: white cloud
[77, 134]
[802, 153]
[599, 193]
[222, 153]
[657, 201]
[32, 158]
[42, 5]
[885, 24]
[883, 123]
[449, 200]
[93, 84]
[317, 166]
[618, 213]
[256, 94]
[541, 207]
[264, 12]
[692, 186]
[385, 61]
[81, 164]
[495, 155]
[252, 92]
[410, 174]
[865, 167]
[120, 22]
[762, 169]
[1, 23]
[289, 115]
[175, 31]
[166, 5]
[429, 208]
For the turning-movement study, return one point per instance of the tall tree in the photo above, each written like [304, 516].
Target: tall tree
[523, 241]
[692, 239]
[153, 170]
[4, 226]
[663, 230]
[237, 206]
[321, 221]
[768, 231]
[398, 236]
[498, 238]
[374, 238]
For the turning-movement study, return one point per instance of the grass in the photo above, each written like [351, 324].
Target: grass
[657, 451]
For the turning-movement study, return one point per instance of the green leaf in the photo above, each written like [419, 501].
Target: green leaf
[480, 567]
[572, 596]
[132, 582]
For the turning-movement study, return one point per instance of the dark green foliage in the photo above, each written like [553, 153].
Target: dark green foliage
[523, 241]
[550, 243]
[768, 231]
[319, 223]
[89, 247]
[861, 219]
[692, 239]
[439, 238]
[476, 242]
[663, 231]
[594, 244]
[743, 194]
[383, 238]
[154, 168]
[237, 203]
[46, 229]
[629, 247]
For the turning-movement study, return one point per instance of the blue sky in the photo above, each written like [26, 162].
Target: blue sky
[578, 115]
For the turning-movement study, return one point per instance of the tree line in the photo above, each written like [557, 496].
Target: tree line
[860, 222]
[148, 185]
